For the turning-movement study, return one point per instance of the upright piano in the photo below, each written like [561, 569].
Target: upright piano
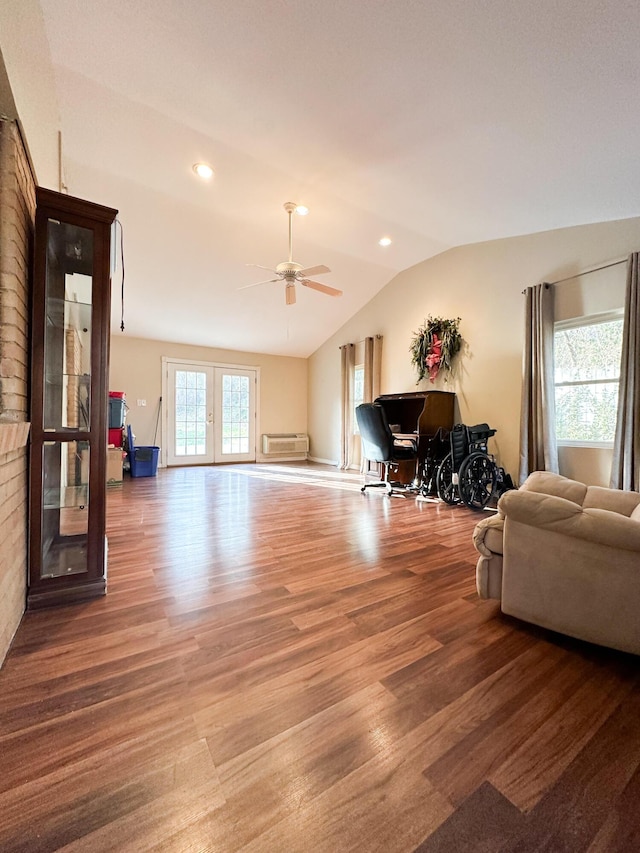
[421, 414]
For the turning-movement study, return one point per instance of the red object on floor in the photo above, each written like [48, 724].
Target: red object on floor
[116, 436]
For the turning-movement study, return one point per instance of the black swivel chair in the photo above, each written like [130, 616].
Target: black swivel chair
[379, 444]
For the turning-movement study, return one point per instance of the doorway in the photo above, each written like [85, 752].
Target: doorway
[210, 415]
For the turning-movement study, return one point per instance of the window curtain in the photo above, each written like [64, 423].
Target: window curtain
[347, 364]
[372, 372]
[625, 467]
[538, 447]
[372, 368]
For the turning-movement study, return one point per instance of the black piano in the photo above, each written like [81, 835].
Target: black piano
[420, 413]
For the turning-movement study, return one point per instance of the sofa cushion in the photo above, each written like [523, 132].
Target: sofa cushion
[546, 483]
[614, 500]
[635, 515]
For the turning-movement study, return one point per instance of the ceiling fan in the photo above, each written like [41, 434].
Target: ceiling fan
[292, 273]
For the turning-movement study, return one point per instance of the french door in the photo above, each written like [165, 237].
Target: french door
[210, 413]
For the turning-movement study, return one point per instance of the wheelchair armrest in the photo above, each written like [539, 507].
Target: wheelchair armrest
[411, 443]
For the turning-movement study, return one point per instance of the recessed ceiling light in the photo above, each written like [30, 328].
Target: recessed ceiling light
[301, 210]
[384, 241]
[203, 170]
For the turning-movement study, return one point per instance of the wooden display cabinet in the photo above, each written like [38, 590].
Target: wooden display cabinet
[69, 399]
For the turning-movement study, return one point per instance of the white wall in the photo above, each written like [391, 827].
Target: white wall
[482, 284]
[27, 59]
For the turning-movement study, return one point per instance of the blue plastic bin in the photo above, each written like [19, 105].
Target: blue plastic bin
[143, 461]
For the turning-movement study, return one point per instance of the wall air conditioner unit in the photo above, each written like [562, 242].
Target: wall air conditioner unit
[277, 444]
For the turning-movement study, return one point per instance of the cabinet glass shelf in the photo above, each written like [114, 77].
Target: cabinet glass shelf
[70, 496]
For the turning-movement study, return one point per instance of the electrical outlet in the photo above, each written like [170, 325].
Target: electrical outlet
[142, 402]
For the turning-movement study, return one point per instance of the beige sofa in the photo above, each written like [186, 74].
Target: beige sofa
[567, 557]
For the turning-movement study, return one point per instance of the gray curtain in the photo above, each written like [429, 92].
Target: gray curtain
[347, 364]
[625, 468]
[372, 368]
[538, 447]
[372, 371]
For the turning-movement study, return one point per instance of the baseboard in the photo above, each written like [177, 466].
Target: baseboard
[261, 459]
[323, 461]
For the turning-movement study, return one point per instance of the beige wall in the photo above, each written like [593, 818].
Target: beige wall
[482, 284]
[136, 368]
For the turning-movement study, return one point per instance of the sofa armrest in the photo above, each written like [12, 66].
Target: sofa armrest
[548, 512]
[487, 539]
[487, 535]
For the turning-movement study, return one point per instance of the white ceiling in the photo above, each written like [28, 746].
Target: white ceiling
[437, 122]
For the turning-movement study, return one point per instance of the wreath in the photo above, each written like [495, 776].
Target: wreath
[434, 346]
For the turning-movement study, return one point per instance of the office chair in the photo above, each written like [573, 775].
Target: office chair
[379, 444]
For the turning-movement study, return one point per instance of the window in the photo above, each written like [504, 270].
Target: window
[358, 393]
[587, 374]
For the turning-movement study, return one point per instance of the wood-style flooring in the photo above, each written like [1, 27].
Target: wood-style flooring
[285, 664]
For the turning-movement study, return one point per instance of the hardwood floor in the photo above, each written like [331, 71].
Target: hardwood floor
[284, 664]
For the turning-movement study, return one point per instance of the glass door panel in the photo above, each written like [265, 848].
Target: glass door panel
[65, 508]
[235, 415]
[67, 333]
[190, 406]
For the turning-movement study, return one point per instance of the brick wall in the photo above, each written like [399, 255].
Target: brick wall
[17, 213]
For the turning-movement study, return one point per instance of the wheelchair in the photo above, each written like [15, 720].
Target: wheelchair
[468, 474]
[437, 448]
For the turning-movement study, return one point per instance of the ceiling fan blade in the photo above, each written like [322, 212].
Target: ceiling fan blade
[323, 288]
[260, 267]
[290, 294]
[319, 270]
[256, 283]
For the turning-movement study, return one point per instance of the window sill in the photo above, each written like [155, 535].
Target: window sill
[597, 445]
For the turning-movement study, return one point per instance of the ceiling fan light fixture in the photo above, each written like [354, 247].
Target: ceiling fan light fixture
[203, 170]
[301, 210]
[384, 241]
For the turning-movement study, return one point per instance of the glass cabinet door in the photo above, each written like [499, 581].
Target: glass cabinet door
[66, 398]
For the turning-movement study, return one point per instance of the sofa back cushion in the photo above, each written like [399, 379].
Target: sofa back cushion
[546, 483]
[615, 500]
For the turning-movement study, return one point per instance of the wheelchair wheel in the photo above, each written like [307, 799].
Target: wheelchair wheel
[477, 480]
[446, 488]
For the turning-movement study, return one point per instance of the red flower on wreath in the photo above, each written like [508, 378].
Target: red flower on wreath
[434, 357]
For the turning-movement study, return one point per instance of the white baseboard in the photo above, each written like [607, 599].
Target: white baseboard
[261, 459]
[323, 461]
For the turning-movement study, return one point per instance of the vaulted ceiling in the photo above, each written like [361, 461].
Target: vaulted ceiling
[434, 123]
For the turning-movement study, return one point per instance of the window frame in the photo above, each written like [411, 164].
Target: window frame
[579, 323]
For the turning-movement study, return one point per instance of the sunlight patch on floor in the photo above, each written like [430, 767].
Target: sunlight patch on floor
[326, 479]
